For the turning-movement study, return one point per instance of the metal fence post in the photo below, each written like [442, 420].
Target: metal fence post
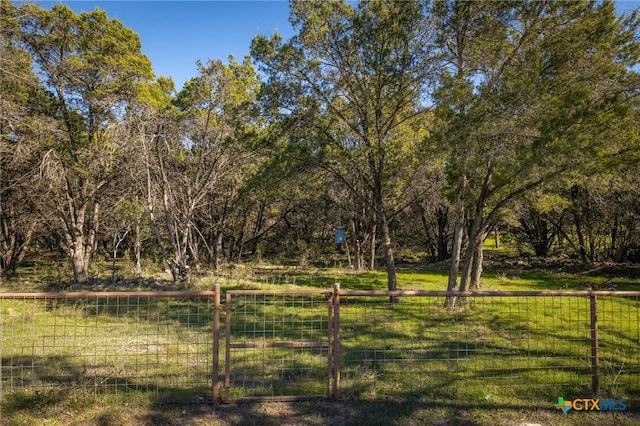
[336, 340]
[595, 367]
[215, 391]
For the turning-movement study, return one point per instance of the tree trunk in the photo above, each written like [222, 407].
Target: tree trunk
[80, 266]
[372, 247]
[217, 250]
[442, 214]
[237, 248]
[536, 229]
[456, 248]
[475, 239]
[193, 246]
[476, 268]
[389, 260]
[357, 246]
[476, 233]
[173, 266]
[80, 237]
[117, 240]
[219, 234]
[426, 227]
[581, 242]
[578, 200]
[593, 246]
[614, 239]
[137, 248]
[180, 270]
[257, 227]
[456, 252]
[13, 243]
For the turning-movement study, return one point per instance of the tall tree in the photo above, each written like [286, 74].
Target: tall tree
[90, 64]
[24, 124]
[531, 90]
[349, 86]
[190, 149]
[220, 104]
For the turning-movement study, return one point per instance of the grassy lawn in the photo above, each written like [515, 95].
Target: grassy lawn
[492, 361]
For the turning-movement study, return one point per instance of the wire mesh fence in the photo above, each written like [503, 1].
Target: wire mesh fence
[277, 344]
[512, 347]
[298, 344]
[78, 346]
[506, 346]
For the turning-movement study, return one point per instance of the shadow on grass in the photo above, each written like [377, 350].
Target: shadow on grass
[192, 406]
[358, 410]
[382, 412]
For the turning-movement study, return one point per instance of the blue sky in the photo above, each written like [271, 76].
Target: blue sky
[175, 34]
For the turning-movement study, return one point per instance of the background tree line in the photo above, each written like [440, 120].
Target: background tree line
[418, 126]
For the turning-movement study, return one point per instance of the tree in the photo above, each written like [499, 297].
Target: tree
[90, 64]
[224, 98]
[530, 91]
[23, 127]
[349, 86]
[430, 212]
[190, 152]
[537, 220]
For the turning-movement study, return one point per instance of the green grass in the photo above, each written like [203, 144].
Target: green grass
[489, 361]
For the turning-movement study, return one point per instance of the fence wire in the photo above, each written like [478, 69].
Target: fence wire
[511, 347]
[281, 344]
[277, 344]
[83, 346]
[619, 344]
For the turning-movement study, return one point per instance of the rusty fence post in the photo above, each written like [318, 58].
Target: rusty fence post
[336, 340]
[330, 345]
[227, 349]
[215, 391]
[595, 367]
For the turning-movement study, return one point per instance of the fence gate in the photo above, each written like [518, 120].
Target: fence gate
[278, 345]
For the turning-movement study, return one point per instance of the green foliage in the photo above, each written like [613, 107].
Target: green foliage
[356, 121]
[90, 66]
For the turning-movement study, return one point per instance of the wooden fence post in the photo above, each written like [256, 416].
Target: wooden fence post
[330, 345]
[215, 391]
[336, 340]
[595, 367]
[227, 349]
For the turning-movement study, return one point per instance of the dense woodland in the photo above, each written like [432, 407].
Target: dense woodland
[415, 126]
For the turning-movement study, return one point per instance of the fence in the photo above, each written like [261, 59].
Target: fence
[511, 345]
[187, 346]
[80, 345]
